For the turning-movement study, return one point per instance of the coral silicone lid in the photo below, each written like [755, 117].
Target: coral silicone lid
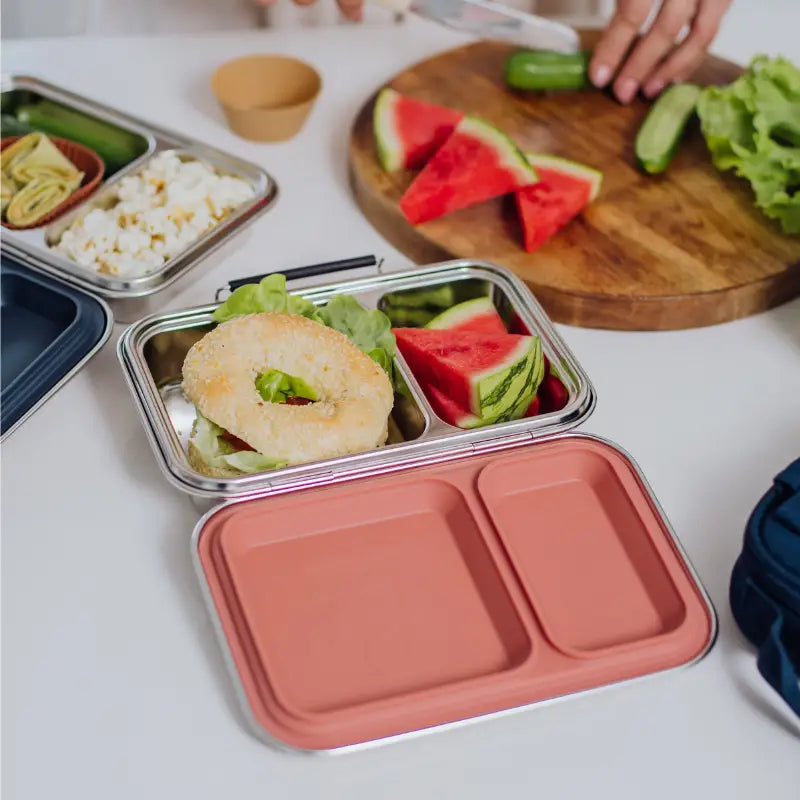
[391, 604]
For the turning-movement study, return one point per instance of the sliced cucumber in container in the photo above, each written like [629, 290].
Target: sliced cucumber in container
[663, 128]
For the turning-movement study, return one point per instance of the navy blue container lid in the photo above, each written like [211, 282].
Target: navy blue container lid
[765, 585]
[50, 329]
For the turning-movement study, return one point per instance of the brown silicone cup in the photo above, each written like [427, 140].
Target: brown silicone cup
[266, 98]
[86, 160]
[396, 603]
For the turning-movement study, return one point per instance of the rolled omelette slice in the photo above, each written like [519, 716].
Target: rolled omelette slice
[35, 156]
[38, 198]
[9, 190]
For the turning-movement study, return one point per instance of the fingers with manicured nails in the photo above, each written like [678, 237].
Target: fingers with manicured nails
[687, 57]
[352, 9]
[653, 46]
[614, 43]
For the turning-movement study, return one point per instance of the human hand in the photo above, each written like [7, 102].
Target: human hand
[352, 9]
[657, 59]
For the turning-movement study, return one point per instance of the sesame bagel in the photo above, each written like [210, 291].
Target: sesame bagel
[355, 394]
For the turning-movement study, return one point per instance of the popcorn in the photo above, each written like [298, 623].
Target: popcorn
[160, 211]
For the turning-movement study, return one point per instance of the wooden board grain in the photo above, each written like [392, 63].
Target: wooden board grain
[680, 250]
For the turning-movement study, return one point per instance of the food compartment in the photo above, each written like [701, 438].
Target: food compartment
[351, 600]
[589, 549]
[27, 110]
[400, 602]
[140, 226]
[481, 306]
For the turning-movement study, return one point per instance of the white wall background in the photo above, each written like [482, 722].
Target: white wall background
[28, 18]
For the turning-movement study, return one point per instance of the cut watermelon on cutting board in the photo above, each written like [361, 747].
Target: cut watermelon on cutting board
[564, 189]
[476, 163]
[492, 376]
[408, 131]
[478, 315]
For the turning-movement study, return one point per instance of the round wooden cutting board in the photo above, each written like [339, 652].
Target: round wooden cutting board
[681, 250]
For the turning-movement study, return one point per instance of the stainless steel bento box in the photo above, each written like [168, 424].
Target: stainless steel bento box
[130, 299]
[152, 352]
[449, 576]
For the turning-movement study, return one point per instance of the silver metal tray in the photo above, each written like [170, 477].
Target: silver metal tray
[131, 299]
[152, 351]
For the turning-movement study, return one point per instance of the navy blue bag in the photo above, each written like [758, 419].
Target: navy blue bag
[765, 585]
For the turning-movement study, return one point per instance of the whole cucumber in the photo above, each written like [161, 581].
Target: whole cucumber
[662, 130]
[539, 70]
[115, 146]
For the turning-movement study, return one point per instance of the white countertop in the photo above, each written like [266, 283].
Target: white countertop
[114, 686]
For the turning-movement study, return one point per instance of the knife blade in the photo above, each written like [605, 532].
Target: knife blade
[490, 20]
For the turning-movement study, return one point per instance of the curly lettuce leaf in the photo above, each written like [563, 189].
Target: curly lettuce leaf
[221, 454]
[370, 331]
[268, 295]
[275, 386]
[752, 126]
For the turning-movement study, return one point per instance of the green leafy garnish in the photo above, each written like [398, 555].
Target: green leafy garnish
[268, 295]
[752, 126]
[221, 454]
[370, 331]
[275, 386]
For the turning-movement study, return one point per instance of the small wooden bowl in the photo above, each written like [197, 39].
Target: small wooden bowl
[84, 159]
[266, 98]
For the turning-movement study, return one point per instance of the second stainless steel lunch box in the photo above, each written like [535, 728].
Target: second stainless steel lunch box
[130, 299]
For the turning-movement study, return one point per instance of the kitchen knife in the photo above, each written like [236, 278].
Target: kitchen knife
[490, 20]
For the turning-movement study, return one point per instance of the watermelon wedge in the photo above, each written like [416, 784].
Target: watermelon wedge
[564, 189]
[408, 131]
[476, 163]
[451, 412]
[494, 377]
[477, 315]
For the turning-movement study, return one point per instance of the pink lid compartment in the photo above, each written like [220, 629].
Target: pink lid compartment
[391, 604]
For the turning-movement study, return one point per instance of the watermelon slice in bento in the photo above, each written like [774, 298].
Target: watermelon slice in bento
[476, 163]
[449, 411]
[491, 376]
[408, 131]
[477, 315]
[564, 189]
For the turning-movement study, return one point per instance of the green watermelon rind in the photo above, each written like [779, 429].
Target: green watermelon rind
[461, 313]
[390, 148]
[546, 161]
[495, 399]
[533, 379]
[509, 156]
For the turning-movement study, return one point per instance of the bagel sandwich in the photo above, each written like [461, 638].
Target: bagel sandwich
[280, 382]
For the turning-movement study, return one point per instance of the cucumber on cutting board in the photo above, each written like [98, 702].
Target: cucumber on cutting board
[117, 147]
[662, 130]
[539, 70]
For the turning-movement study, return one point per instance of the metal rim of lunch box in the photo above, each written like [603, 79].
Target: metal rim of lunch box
[19, 245]
[438, 441]
[261, 734]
